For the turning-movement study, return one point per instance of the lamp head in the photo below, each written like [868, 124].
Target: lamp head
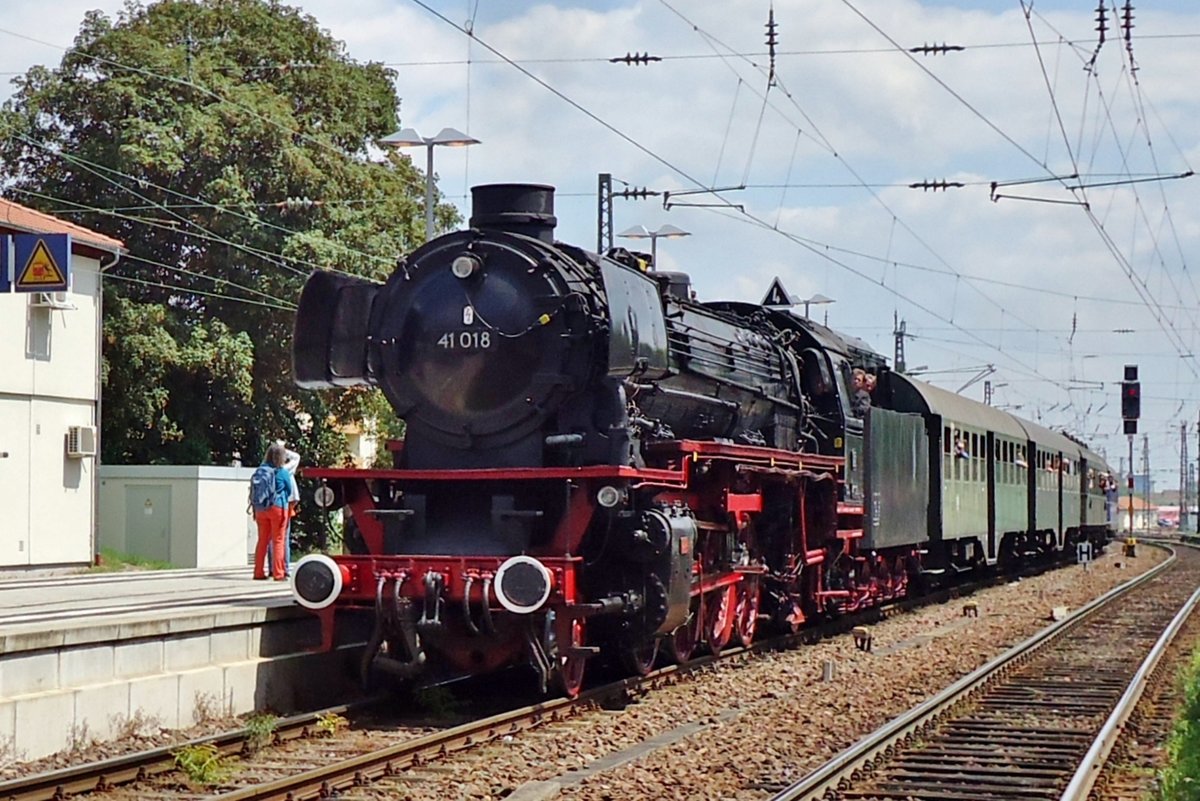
[405, 137]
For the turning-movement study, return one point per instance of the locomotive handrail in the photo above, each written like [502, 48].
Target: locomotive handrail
[842, 765]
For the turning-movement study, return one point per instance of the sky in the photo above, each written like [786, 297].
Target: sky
[1044, 286]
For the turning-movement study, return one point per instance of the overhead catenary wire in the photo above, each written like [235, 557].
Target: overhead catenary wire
[1118, 256]
[199, 292]
[318, 142]
[687, 176]
[828, 146]
[75, 207]
[108, 173]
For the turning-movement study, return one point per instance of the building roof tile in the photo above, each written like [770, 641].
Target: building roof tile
[22, 218]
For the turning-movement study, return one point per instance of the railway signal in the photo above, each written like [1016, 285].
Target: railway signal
[1131, 399]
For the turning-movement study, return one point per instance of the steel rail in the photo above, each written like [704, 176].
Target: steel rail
[837, 772]
[1093, 762]
[108, 773]
[328, 780]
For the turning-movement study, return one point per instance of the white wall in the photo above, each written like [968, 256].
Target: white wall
[48, 368]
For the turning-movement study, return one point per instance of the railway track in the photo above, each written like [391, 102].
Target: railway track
[1036, 723]
[408, 749]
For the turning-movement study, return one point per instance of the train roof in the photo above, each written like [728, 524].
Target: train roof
[911, 395]
[1052, 440]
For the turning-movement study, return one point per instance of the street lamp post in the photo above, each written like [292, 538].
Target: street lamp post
[448, 137]
[666, 231]
[817, 300]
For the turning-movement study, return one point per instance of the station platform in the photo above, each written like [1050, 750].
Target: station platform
[88, 656]
[55, 600]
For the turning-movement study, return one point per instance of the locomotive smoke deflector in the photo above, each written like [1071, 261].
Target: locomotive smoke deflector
[526, 209]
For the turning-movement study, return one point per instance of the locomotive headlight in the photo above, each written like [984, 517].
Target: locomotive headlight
[317, 581]
[609, 496]
[465, 266]
[523, 584]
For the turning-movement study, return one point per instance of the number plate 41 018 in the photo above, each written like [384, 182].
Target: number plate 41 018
[465, 340]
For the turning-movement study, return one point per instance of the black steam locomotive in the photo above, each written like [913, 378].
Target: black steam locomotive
[597, 464]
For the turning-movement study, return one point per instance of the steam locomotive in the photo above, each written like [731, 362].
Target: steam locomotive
[597, 464]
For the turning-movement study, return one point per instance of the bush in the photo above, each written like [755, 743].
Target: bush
[1181, 779]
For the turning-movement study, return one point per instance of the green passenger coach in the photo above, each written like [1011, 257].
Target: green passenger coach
[999, 488]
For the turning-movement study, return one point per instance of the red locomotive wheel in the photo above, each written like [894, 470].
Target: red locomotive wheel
[682, 642]
[745, 619]
[719, 609]
[639, 660]
[569, 678]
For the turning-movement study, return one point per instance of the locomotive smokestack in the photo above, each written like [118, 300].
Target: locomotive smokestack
[516, 208]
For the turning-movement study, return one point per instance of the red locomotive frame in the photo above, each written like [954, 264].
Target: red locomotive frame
[721, 484]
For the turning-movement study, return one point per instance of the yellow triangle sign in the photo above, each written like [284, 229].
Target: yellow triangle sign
[41, 269]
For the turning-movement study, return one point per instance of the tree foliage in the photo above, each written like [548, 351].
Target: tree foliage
[181, 128]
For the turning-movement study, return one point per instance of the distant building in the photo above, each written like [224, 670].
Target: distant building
[50, 401]
[1143, 484]
[1143, 514]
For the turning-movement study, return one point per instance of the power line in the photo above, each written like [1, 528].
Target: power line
[192, 84]
[76, 207]
[1165, 324]
[199, 292]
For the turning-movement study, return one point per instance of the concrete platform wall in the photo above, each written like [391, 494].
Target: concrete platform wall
[61, 688]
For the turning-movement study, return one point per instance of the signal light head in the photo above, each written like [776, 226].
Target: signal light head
[1131, 400]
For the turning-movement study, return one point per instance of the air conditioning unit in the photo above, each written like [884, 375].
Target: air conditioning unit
[60, 301]
[81, 441]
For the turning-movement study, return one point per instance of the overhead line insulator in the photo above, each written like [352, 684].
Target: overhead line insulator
[936, 186]
[636, 193]
[635, 59]
[297, 203]
[936, 49]
[772, 40]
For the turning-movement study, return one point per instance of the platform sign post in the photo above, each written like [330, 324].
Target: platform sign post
[41, 262]
[5, 263]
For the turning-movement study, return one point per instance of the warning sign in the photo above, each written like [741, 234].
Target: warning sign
[41, 262]
[777, 295]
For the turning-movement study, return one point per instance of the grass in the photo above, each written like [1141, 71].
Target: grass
[110, 561]
[202, 764]
[1180, 781]
[261, 727]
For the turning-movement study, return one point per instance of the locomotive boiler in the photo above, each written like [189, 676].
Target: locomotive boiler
[594, 463]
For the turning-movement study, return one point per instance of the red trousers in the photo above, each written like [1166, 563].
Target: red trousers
[272, 526]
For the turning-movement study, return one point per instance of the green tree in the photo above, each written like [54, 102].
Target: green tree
[182, 128]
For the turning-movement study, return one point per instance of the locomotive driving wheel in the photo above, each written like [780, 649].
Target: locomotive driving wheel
[745, 616]
[682, 642]
[638, 660]
[569, 676]
[719, 606]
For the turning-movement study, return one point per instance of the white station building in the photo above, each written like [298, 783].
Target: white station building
[50, 402]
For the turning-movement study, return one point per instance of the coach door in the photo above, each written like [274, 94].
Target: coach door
[991, 496]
